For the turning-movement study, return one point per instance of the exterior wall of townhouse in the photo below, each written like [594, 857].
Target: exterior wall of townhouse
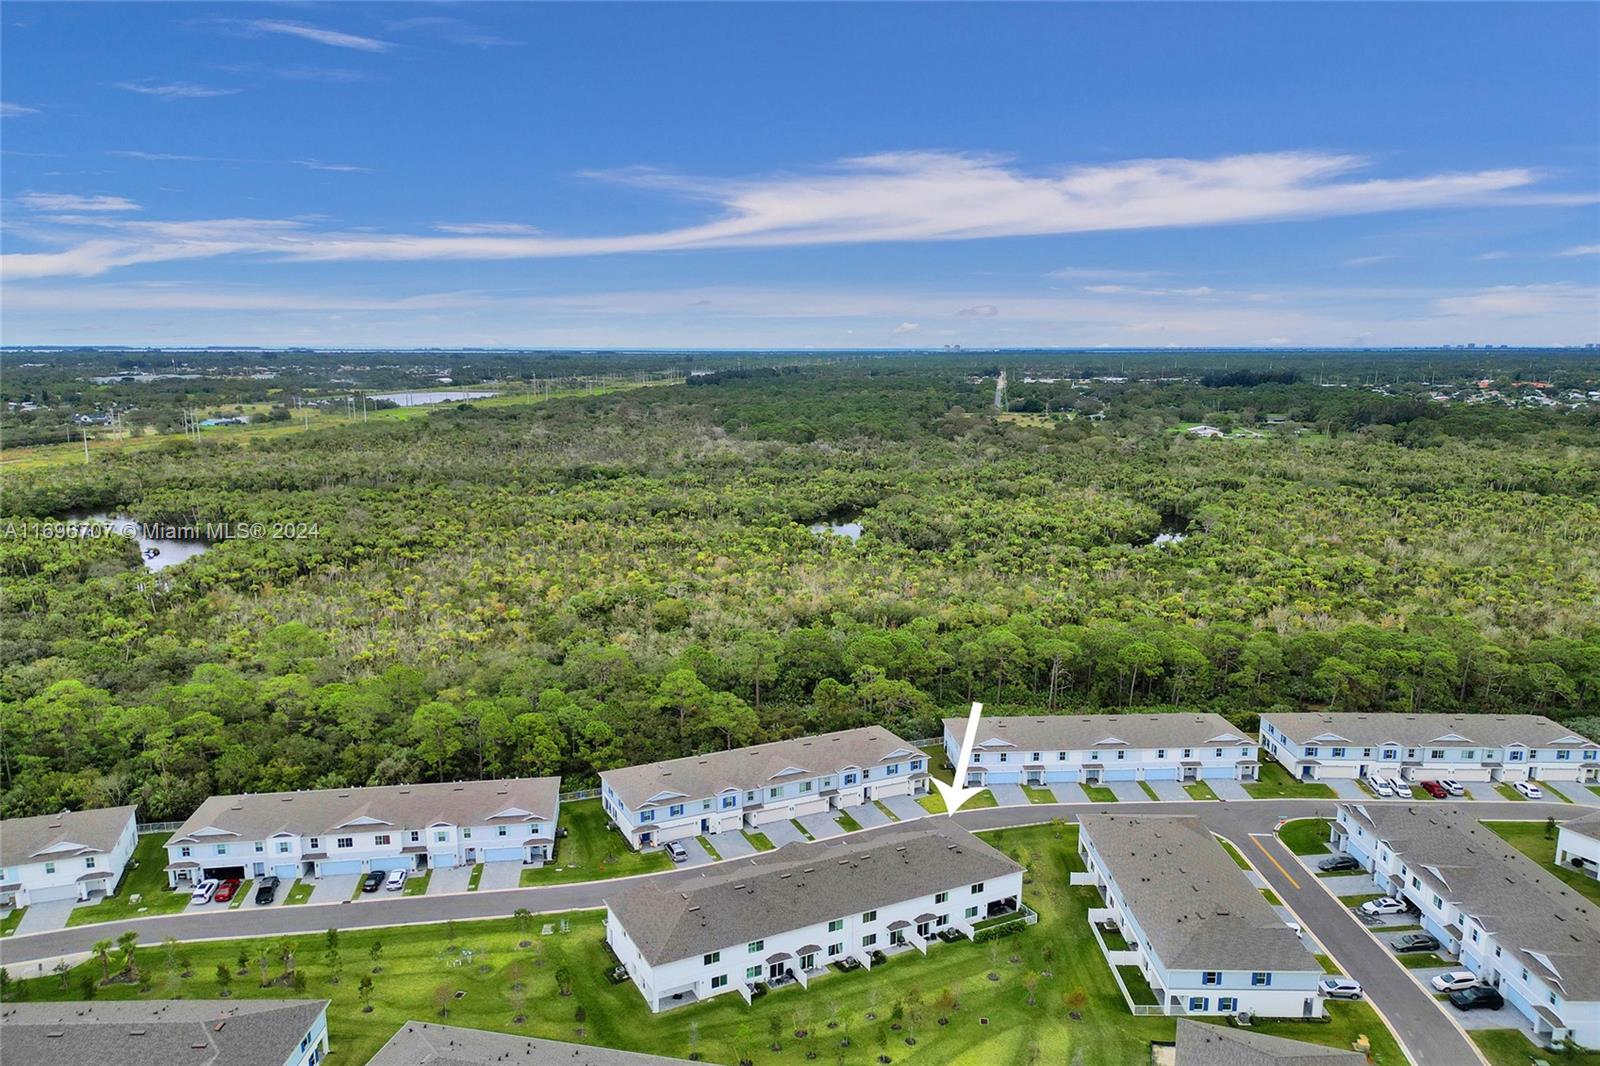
[750, 808]
[58, 878]
[360, 851]
[856, 935]
[1579, 851]
[1461, 934]
[313, 1047]
[1269, 994]
[1515, 762]
[1014, 766]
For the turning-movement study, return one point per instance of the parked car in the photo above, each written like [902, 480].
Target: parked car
[1372, 908]
[677, 852]
[226, 890]
[397, 879]
[1481, 997]
[1434, 789]
[1339, 988]
[204, 891]
[1400, 787]
[1454, 981]
[1337, 863]
[266, 890]
[1454, 787]
[1529, 789]
[372, 882]
[1380, 786]
[1408, 942]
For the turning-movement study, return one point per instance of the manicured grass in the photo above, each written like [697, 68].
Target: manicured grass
[592, 850]
[1529, 838]
[1358, 900]
[760, 841]
[936, 758]
[1276, 783]
[8, 924]
[145, 877]
[1098, 793]
[417, 883]
[1115, 941]
[299, 892]
[933, 803]
[847, 823]
[1199, 790]
[802, 830]
[705, 842]
[1328, 965]
[1148, 791]
[475, 877]
[1510, 793]
[1305, 836]
[1138, 987]
[1509, 1047]
[1346, 1021]
[1233, 853]
[1038, 795]
[355, 893]
[239, 896]
[418, 978]
[1271, 897]
[1595, 789]
[1422, 960]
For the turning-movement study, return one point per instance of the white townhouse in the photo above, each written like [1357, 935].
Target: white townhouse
[1091, 748]
[1427, 747]
[193, 1032]
[787, 915]
[1516, 925]
[658, 802]
[358, 830]
[1578, 844]
[1203, 936]
[71, 855]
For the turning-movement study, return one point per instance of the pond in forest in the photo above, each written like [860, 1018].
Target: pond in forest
[160, 544]
[839, 524]
[418, 399]
[1174, 529]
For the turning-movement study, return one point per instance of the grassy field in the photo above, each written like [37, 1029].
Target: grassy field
[1508, 1047]
[424, 966]
[1276, 783]
[592, 850]
[1305, 836]
[146, 877]
[1529, 838]
[1200, 790]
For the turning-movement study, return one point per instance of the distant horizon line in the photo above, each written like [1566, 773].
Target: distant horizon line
[713, 350]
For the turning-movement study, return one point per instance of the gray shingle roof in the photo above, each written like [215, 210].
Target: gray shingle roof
[1195, 905]
[1420, 730]
[259, 815]
[698, 776]
[1532, 914]
[424, 1044]
[1080, 732]
[46, 836]
[1588, 824]
[801, 885]
[1200, 1044]
[175, 1032]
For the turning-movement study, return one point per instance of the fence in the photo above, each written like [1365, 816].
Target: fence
[581, 794]
[158, 827]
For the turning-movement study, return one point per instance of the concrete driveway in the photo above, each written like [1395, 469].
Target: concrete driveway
[45, 917]
[1009, 795]
[1572, 790]
[1127, 791]
[1170, 790]
[1228, 789]
[731, 844]
[905, 808]
[782, 832]
[1348, 884]
[497, 875]
[1347, 788]
[868, 815]
[821, 826]
[445, 881]
[698, 855]
[335, 889]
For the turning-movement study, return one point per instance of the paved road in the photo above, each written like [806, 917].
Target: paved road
[1427, 1033]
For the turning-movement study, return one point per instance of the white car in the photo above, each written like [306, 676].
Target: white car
[1400, 787]
[1339, 988]
[1529, 790]
[204, 891]
[1454, 787]
[396, 879]
[1382, 905]
[1454, 981]
[1380, 786]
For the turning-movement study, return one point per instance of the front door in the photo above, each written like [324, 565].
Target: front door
[1034, 777]
[705, 825]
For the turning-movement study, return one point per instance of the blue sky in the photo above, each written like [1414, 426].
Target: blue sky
[800, 175]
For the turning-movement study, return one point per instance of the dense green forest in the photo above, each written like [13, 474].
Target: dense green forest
[594, 581]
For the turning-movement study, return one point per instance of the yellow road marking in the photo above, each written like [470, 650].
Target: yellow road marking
[1275, 862]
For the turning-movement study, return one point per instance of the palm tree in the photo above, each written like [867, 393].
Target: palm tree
[125, 944]
[102, 949]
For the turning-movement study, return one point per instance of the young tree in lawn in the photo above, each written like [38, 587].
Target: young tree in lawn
[102, 951]
[224, 979]
[375, 952]
[364, 991]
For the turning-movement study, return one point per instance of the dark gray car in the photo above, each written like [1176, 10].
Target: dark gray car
[266, 891]
[1415, 942]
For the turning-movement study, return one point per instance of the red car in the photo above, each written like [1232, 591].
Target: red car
[226, 890]
[1434, 789]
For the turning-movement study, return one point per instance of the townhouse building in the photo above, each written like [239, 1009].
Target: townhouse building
[1516, 925]
[1428, 747]
[194, 1032]
[658, 802]
[1203, 937]
[326, 832]
[1578, 844]
[429, 1044]
[786, 915]
[1091, 748]
[71, 855]
[1199, 1044]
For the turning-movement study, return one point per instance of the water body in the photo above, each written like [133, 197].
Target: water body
[158, 553]
[419, 399]
[1174, 529]
[845, 524]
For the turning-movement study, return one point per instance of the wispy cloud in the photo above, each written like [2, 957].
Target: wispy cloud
[1556, 298]
[178, 157]
[57, 201]
[884, 198]
[1489, 257]
[12, 110]
[1366, 260]
[907, 327]
[480, 228]
[453, 31]
[1582, 249]
[319, 34]
[978, 311]
[177, 90]
[1196, 292]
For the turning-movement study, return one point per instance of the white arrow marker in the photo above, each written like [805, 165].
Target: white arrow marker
[957, 794]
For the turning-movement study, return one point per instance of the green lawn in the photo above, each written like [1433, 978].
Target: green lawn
[417, 883]
[8, 924]
[933, 803]
[299, 892]
[1271, 897]
[1148, 791]
[145, 877]
[1233, 853]
[1595, 789]
[936, 757]
[1510, 793]
[1039, 795]
[759, 840]
[1358, 900]
[1529, 838]
[1508, 1047]
[592, 850]
[475, 877]
[418, 978]
[1276, 783]
[1199, 790]
[711, 850]
[802, 830]
[1098, 793]
[1422, 960]
[1138, 988]
[1328, 965]
[847, 823]
[241, 894]
[1305, 836]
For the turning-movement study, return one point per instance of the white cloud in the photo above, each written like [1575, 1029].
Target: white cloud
[979, 311]
[318, 34]
[1583, 249]
[178, 90]
[1558, 298]
[1488, 257]
[1367, 260]
[59, 201]
[913, 197]
[481, 228]
[176, 157]
[907, 327]
[342, 168]
[11, 110]
[1197, 292]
